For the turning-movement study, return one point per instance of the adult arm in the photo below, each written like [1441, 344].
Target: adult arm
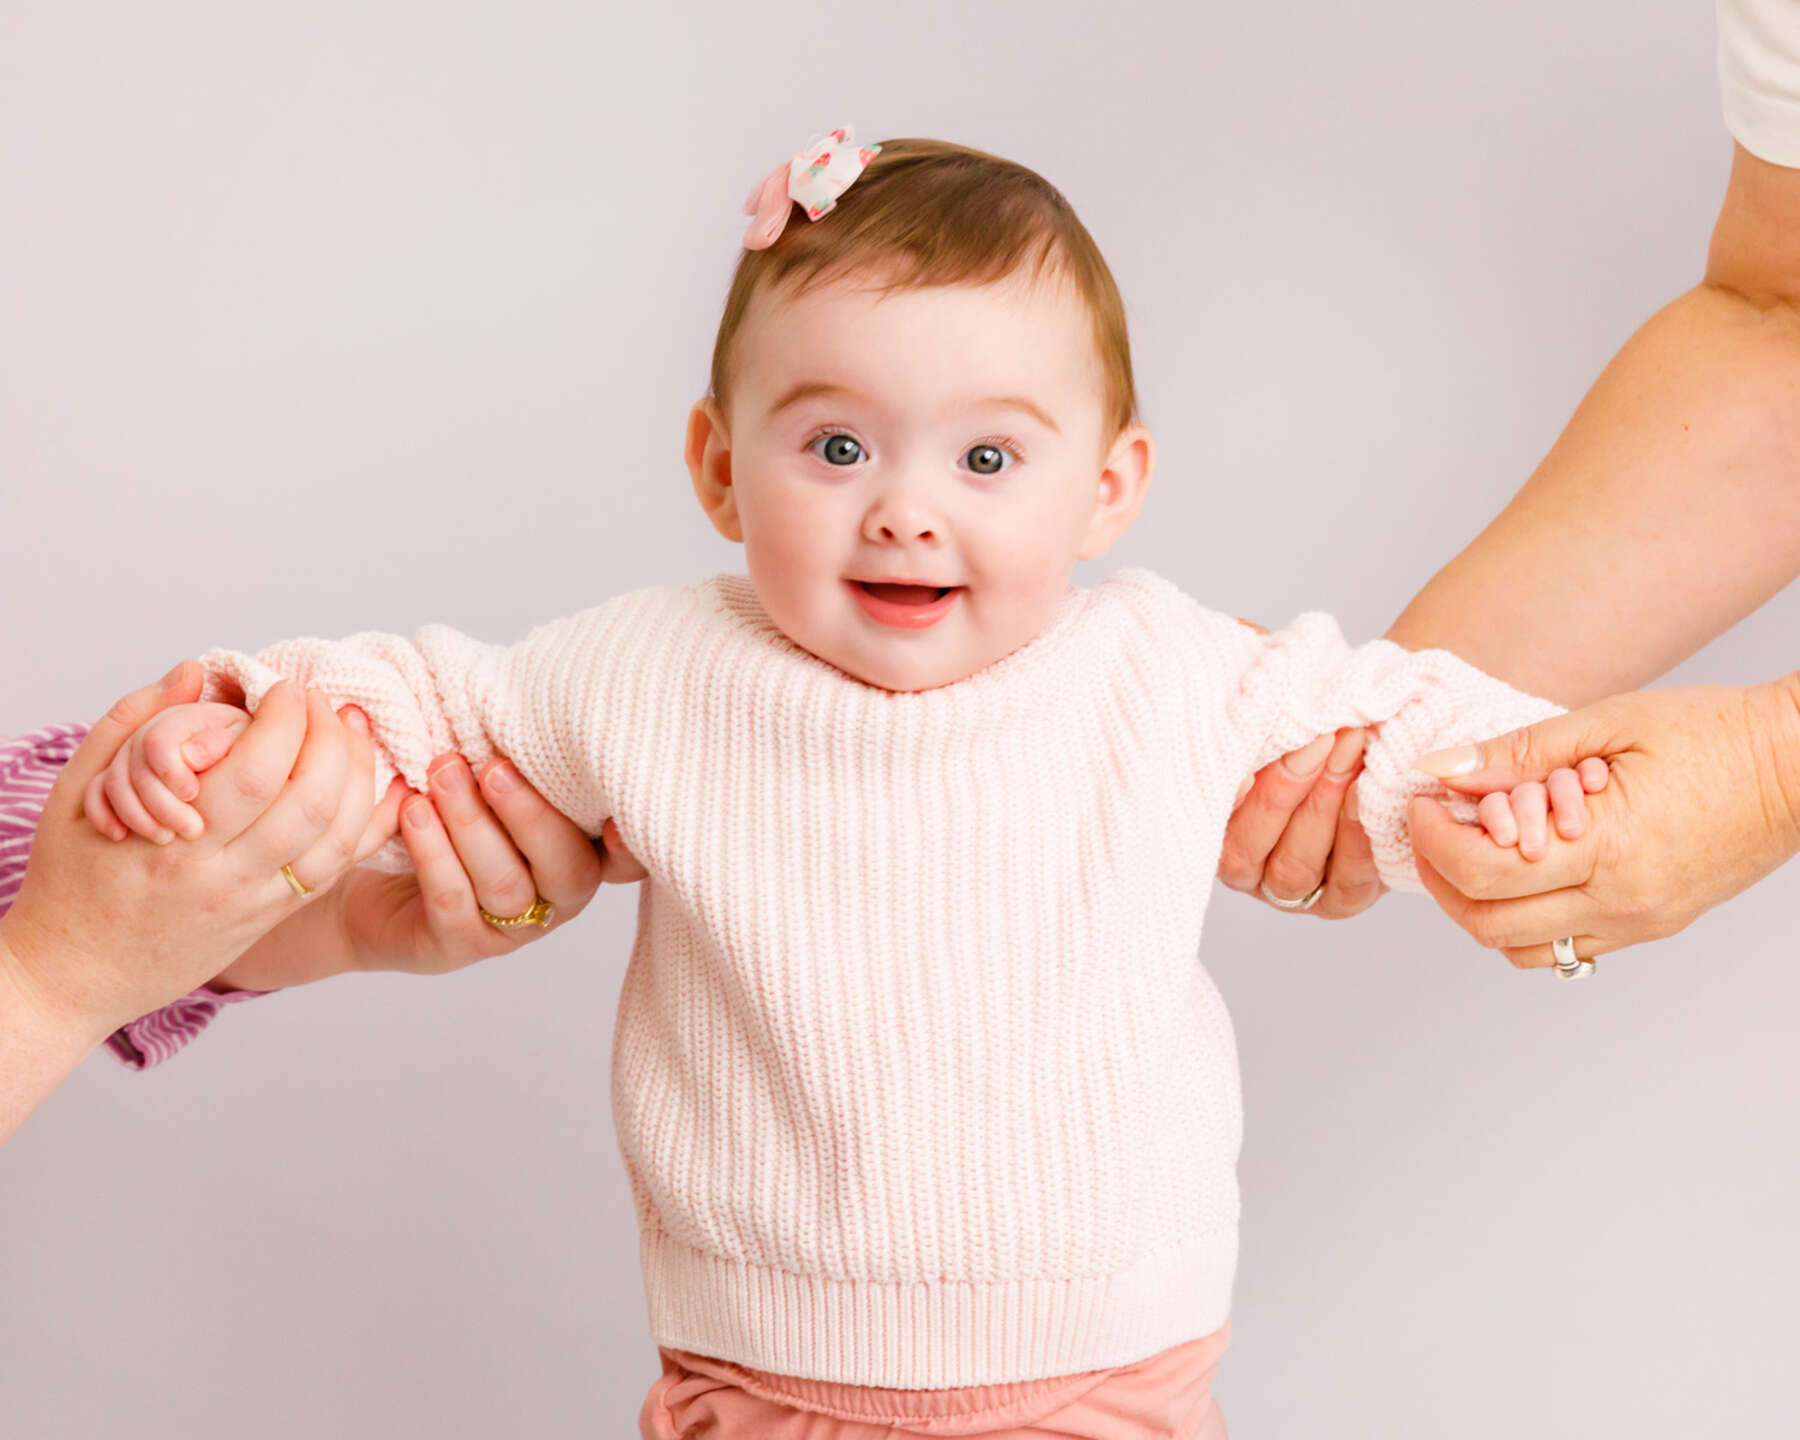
[101, 932]
[1669, 507]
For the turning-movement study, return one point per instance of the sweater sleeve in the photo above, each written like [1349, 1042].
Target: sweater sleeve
[1260, 696]
[29, 765]
[533, 702]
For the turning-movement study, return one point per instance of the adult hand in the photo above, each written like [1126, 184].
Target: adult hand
[1703, 800]
[1293, 830]
[103, 931]
[492, 846]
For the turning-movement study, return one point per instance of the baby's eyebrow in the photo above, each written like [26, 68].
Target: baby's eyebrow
[812, 389]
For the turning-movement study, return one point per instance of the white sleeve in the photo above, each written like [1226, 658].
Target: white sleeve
[1306, 680]
[536, 702]
[1759, 76]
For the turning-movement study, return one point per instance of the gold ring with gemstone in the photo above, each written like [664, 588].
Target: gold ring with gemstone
[539, 914]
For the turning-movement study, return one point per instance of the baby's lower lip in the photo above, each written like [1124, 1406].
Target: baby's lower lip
[904, 617]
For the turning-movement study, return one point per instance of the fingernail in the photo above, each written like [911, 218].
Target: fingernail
[163, 837]
[450, 776]
[503, 778]
[170, 678]
[357, 721]
[1304, 764]
[1463, 760]
[418, 813]
[193, 829]
[193, 754]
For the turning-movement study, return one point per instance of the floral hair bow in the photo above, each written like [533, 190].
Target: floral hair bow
[812, 179]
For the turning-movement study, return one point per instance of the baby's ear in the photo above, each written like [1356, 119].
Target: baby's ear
[708, 452]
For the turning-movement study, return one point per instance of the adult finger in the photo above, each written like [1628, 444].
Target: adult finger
[1353, 882]
[334, 852]
[445, 890]
[304, 808]
[1495, 924]
[1540, 957]
[502, 881]
[564, 864]
[1530, 753]
[1302, 854]
[241, 787]
[110, 732]
[618, 866]
[1469, 859]
[1263, 814]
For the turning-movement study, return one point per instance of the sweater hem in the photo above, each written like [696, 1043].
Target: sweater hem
[934, 1334]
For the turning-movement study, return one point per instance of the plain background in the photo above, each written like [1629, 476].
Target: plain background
[347, 316]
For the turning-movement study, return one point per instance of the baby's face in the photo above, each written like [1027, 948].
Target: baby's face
[949, 437]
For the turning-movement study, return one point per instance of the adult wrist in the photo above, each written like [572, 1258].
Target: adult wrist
[58, 1020]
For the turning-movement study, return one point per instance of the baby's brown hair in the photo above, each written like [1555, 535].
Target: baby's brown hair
[933, 213]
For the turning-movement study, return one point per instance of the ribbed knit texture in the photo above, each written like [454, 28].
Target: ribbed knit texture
[917, 1078]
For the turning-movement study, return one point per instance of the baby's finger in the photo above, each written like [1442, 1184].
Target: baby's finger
[1496, 816]
[1529, 809]
[1593, 772]
[129, 809]
[1567, 803]
[199, 753]
[99, 811]
[158, 799]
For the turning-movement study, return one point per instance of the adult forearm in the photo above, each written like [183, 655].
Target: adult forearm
[1667, 510]
[40, 1047]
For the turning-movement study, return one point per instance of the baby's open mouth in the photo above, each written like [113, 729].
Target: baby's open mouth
[906, 594]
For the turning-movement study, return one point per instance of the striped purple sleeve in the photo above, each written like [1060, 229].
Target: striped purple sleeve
[29, 765]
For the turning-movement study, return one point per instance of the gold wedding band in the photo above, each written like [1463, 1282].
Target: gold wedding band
[294, 880]
[539, 914]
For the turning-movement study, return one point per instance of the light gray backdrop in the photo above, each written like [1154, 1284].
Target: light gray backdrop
[342, 316]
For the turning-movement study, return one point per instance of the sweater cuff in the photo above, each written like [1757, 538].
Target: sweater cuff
[153, 1038]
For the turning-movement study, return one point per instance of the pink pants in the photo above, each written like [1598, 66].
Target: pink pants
[1165, 1397]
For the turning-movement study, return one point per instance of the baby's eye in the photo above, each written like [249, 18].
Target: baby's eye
[840, 449]
[987, 459]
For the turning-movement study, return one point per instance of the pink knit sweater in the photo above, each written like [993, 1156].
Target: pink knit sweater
[917, 1079]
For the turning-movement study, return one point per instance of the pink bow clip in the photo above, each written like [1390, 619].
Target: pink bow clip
[812, 179]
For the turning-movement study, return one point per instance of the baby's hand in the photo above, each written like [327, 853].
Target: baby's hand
[157, 769]
[1517, 817]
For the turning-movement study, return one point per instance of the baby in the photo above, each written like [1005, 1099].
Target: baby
[918, 1083]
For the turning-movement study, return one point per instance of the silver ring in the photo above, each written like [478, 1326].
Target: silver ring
[1568, 965]
[1306, 904]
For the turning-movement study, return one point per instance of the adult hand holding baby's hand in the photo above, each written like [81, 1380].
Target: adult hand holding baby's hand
[146, 788]
[1292, 830]
[474, 846]
[1703, 800]
[102, 933]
